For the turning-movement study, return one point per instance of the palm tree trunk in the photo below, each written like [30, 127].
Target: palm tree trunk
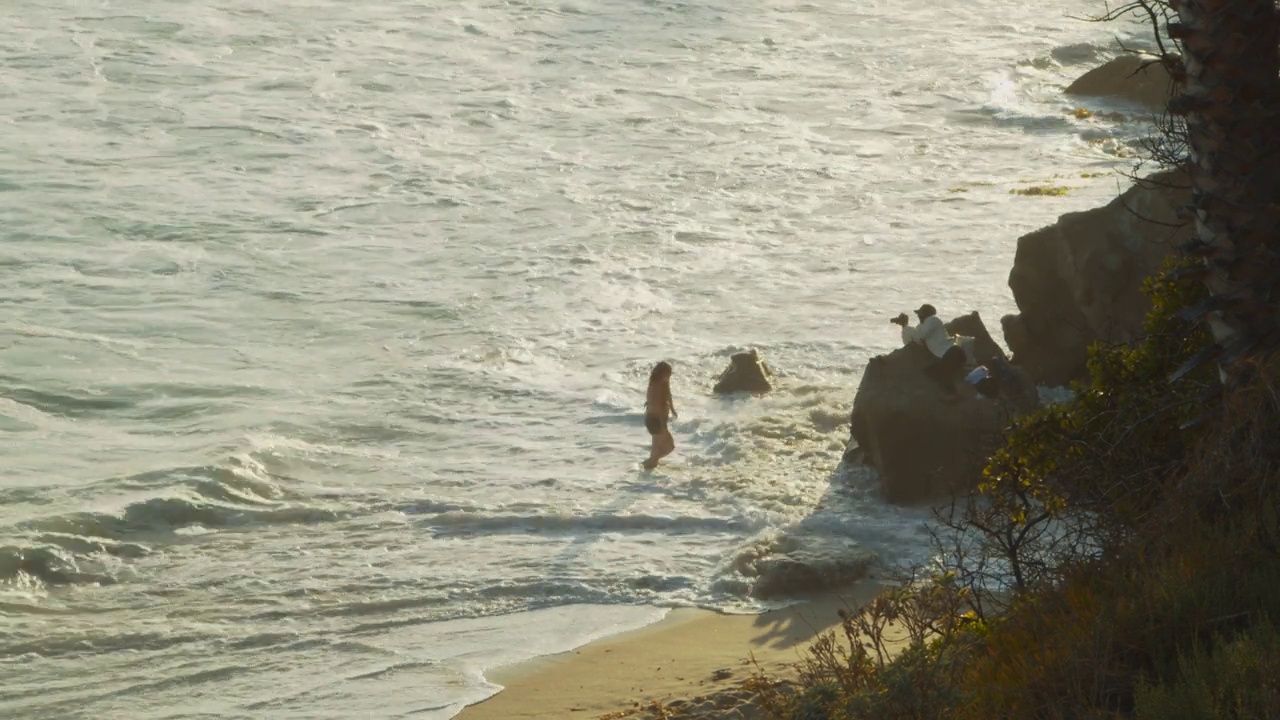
[1230, 99]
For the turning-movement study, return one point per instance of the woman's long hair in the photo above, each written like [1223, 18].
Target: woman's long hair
[661, 371]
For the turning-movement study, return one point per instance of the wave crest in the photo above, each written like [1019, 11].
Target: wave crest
[47, 565]
[236, 495]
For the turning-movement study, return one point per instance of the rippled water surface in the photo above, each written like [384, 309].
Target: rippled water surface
[326, 324]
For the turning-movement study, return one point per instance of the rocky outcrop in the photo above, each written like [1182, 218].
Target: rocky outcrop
[984, 346]
[746, 373]
[1080, 280]
[1131, 78]
[1017, 388]
[924, 447]
[794, 566]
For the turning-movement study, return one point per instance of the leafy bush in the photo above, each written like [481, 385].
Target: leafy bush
[1106, 457]
[1238, 678]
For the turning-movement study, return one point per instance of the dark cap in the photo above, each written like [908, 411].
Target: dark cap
[926, 310]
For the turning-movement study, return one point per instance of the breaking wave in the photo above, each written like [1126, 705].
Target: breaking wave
[47, 565]
[210, 497]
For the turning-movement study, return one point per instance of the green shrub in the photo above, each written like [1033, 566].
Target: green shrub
[1110, 452]
[1236, 678]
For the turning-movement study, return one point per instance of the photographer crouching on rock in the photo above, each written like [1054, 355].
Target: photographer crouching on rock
[933, 335]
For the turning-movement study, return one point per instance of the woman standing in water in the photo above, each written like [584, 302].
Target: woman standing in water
[657, 406]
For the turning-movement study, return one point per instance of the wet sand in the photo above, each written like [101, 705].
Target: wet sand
[692, 663]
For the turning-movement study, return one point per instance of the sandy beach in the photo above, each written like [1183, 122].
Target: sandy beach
[692, 663]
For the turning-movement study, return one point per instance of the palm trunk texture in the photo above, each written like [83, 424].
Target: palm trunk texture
[1230, 99]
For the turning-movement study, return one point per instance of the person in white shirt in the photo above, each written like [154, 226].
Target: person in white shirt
[933, 335]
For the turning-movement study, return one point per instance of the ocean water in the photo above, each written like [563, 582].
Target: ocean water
[324, 326]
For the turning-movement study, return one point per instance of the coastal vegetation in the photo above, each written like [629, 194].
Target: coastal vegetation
[1121, 557]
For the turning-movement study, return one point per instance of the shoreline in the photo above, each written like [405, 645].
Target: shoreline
[693, 660]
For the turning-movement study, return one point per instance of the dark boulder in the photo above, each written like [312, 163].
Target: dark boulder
[1080, 280]
[1132, 78]
[746, 373]
[924, 447]
[984, 346]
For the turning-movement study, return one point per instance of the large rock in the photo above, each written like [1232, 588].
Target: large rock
[1080, 280]
[924, 447]
[746, 373]
[1017, 387]
[790, 565]
[984, 347]
[1131, 78]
